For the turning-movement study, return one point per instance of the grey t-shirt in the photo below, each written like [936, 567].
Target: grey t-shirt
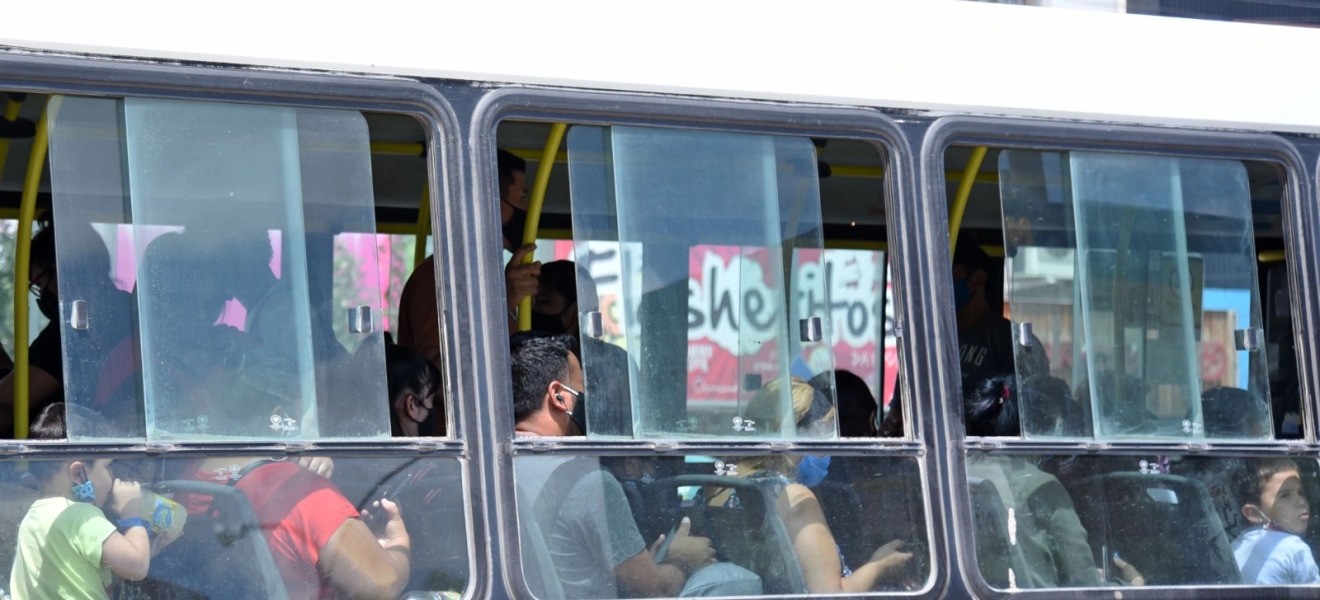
[593, 531]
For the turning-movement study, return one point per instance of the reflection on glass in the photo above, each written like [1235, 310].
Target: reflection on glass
[200, 240]
[1084, 521]
[708, 228]
[1137, 274]
[588, 524]
[251, 527]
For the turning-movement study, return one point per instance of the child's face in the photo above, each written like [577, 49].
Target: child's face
[98, 472]
[1284, 503]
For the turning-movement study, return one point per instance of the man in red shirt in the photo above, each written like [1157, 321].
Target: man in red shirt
[322, 548]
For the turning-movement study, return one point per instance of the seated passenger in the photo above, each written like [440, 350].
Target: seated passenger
[814, 544]
[1273, 552]
[67, 548]
[85, 271]
[1234, 412]
[414, 385]
[419, 317]
[321, 546]
[857, 407]
[1051, 548]
[582, 509]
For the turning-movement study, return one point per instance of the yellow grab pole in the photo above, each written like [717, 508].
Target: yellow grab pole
[964, 192]
[423, 226]
[26, 211]
[543, 169]
[11, 115]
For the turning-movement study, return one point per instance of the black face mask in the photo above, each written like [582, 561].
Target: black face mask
[513, 230]
[49, 304]
[548, 323]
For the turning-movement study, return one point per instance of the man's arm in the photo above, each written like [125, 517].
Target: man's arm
[642, 577]
[361, 566]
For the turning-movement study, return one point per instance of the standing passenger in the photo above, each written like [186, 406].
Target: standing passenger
[419, 318]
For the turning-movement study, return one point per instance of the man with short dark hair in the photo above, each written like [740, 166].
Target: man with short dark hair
[581, 509]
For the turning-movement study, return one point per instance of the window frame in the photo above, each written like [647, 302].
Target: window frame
[608, 108]
[76, 75]
[1300, 225]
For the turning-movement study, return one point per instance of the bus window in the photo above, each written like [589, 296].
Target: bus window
[222, 221]
[1138, 277]
[1051, 521]
[1132, 299]
[720, 218]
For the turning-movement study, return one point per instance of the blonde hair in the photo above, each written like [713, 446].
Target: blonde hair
[765, 410]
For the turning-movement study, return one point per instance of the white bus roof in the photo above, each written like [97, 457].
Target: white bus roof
[964, 57]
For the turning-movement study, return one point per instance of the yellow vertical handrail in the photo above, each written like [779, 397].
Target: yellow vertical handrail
[11, 115]
[964, 192]
[423, 226]
[543, 169]
[23, 250]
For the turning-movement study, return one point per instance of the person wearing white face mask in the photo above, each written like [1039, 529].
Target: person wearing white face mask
[1273, 552]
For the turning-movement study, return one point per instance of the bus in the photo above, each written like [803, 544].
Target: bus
[908, 299]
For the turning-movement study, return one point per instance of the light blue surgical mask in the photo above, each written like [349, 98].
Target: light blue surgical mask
[962, 293]
[84, 492]
[647, 478]
[811, 470]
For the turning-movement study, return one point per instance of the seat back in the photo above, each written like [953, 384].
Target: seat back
[1164, 525]
[752, 536]
[223, 554]
[994, 552]
[538, 563]
[14, 504]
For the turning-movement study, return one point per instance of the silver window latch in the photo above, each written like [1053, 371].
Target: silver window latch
[359, 320]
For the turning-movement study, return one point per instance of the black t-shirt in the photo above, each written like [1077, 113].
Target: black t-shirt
[46, 353]
[987, 350]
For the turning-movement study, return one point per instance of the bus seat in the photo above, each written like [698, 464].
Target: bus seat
[752, 536]
[1164, 525]
[14, 503]
[538, 565]
[990, 523]
[219, 555]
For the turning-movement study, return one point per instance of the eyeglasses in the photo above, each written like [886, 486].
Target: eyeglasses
[581, 396]
[40, 281]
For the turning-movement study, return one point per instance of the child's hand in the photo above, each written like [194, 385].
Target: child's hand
[126, 499]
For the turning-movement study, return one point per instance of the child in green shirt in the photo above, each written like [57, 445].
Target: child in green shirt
[67, 549]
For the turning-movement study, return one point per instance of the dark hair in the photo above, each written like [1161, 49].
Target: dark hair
[1232, 412]
[991, 408]
[508, 163]
[42, 252]
[565, 277]
[969, 254]
[52, 424]
[408, 372]
[856, 404]
[537, 359]
[1250, 481]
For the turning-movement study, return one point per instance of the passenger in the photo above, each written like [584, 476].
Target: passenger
[419, 318]
[555, 310]
[814, 544]
[1051, 542]
[414, 386]
[321, 545]
[1272, 552]
[857, 407]
[67, 548]
[582, 509]
[1234, 412]
[985, 338]
[86, 275]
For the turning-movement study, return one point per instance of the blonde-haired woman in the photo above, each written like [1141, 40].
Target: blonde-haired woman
[817, 553]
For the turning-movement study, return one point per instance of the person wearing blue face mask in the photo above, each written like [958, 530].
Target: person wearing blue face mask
[788, 482]
[985, 338]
